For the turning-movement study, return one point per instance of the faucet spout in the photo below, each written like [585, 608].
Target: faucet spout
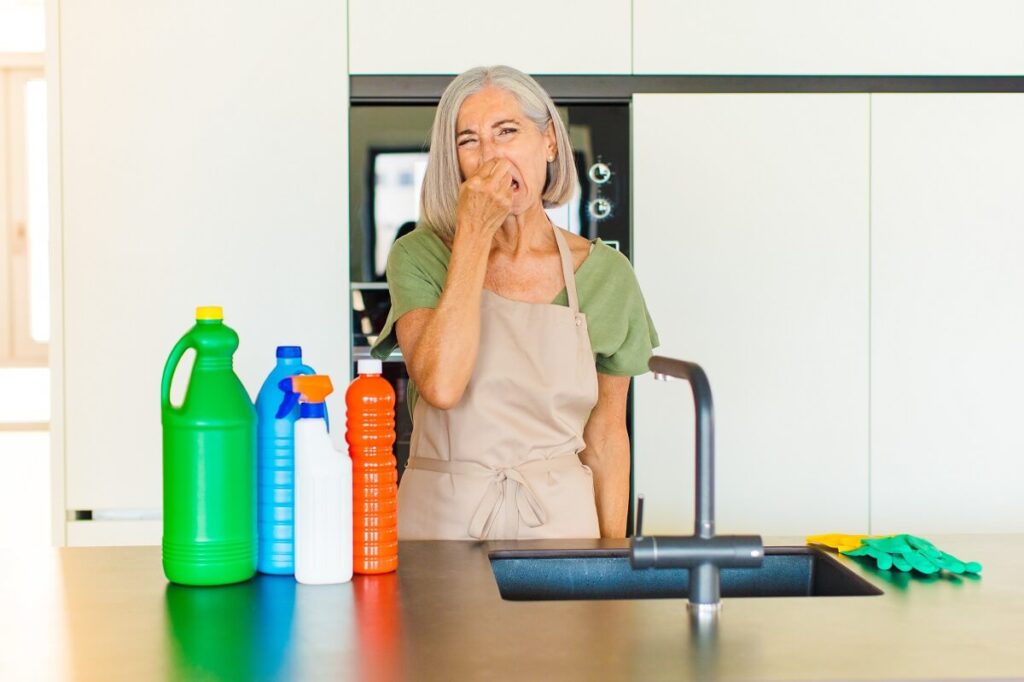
[704, 498]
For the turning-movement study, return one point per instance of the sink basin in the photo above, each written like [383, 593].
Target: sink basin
[530, 575]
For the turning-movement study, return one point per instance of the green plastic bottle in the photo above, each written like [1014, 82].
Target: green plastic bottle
[209, 462]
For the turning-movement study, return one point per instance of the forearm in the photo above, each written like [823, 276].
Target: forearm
[447, 347]
[607, 455]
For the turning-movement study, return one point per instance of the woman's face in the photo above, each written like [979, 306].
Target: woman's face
[491, 124]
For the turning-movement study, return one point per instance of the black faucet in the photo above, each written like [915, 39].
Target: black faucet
[702, 553]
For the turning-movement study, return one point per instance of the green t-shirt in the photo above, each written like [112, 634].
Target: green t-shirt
[622, 334]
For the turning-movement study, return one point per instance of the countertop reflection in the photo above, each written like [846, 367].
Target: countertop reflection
[109, 614]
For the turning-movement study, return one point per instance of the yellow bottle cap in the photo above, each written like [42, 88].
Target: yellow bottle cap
[209, 312]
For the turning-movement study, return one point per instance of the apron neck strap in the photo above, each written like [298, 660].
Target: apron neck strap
[567, 270]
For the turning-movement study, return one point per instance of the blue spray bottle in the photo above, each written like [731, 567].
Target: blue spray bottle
[275, 467]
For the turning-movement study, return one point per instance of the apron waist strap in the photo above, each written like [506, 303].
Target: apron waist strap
[508, 488]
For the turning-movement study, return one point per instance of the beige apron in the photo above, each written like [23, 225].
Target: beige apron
[503, 463]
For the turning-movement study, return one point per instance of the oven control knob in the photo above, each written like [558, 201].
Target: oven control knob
[600, 208]
[600, 173]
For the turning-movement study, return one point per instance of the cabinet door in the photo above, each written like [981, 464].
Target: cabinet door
[800, 37]
[947, 322]
[114, 533]
[199, 168]
[751, 246]
[450, 36]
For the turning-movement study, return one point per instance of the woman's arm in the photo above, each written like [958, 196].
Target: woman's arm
[440, 344]
[607, 454]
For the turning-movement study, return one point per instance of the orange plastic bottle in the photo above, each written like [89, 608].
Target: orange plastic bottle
[370, 434]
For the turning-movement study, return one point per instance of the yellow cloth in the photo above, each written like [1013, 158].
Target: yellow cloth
[837, 541]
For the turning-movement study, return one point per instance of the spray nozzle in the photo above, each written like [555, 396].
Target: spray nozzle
[309, 388]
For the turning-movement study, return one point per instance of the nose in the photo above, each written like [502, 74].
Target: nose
[488, 151]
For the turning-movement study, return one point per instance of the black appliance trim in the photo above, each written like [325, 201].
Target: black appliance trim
[607, 89]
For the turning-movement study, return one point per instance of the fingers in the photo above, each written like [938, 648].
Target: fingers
[882, 559]
[485, 198]
[486, 168]
[901, 563]
[495, 168]
[503, 179]
[496, 177]
[950, 563]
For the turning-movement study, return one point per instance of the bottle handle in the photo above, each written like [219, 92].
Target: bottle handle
[172, 364]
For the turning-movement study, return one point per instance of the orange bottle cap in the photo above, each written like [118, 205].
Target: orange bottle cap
[314, 387]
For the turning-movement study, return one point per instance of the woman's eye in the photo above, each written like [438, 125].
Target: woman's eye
[466, 141]
[504, 131]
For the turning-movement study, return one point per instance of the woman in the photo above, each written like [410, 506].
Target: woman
[520, 338]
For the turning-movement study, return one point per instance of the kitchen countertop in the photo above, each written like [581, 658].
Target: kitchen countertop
[109, 614]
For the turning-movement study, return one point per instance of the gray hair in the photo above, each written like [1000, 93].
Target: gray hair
[440, 196]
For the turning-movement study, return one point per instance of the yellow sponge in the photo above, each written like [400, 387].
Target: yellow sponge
[837, 541]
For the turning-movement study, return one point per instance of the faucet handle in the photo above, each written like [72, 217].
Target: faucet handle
[639, 516]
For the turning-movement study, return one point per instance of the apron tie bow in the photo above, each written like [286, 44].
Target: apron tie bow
[508, 491]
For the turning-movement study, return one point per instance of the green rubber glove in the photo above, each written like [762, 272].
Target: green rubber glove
[908, 552]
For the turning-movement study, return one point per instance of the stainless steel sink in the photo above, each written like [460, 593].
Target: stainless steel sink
[531, 575]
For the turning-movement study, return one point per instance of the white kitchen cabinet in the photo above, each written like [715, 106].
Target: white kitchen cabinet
[834, 37]
[947, 313]
[114, 533]
[450, 36]
[751, 246]
[202, 161]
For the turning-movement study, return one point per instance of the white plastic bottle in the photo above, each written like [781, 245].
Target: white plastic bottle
[323, 492]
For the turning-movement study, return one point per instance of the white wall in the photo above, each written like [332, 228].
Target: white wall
[25, 524]
[22, 28]
[203, 161]
[807, 37]
[798, 246]
[947, 371]
[450, 36]
[796, 37]
[751, 245]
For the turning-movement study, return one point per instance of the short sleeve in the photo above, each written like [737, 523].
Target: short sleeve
[411, 286]
[630, 337]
